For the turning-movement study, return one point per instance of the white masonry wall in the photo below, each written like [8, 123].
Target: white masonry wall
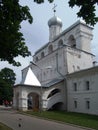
[83, 100]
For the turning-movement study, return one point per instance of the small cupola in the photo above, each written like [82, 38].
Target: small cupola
[55, 26]
[55, 21]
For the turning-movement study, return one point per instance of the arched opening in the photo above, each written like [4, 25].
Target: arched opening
[33, 101]
[42, 54]
[72, 41]
[53, 92]
[57, 106]
[60, 43]
[50, 49]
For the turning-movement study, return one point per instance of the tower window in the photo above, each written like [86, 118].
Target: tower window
[75, 86]
[42, 54]
[50, 49]
[72, 41]
[60, 43]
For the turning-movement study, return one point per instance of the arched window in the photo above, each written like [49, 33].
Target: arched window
[50, 49]
[53, 92]
[42, 54]
[72, 41]
[60, 43]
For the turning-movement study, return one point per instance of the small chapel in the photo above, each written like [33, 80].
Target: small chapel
[63, 74]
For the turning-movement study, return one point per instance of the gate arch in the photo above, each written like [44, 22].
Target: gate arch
[33, 101]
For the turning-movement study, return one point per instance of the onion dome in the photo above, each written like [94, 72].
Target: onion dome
[55, 21]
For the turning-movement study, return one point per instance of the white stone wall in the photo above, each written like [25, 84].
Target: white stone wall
[70, 59]
[78, 60]
[82, 34]
[59, 97]
[21, 93]
[21, 100]
[82, 95]
[48, 66]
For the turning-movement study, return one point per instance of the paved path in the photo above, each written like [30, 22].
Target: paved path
[23, 122]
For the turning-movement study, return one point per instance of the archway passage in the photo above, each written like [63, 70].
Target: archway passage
[57, 106]
[33, 101]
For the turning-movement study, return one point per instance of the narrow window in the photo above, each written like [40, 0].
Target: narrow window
[60, 43]
[42, 55]
[88, 104]
[50, 49]
[87, 85]
[75, 86]
[75, 104]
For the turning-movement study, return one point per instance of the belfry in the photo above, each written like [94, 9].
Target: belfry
[62, 74]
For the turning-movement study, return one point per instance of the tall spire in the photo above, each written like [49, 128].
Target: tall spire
[54, 8]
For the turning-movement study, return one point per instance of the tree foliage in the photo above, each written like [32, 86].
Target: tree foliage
[11, 39]
[12, 43]
[86, 11]
[4, 94]
[8, 76]
[7, 80]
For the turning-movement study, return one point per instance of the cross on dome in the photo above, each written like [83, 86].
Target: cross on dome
[54, 8]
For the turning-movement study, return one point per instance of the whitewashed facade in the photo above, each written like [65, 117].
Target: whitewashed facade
[83, 91]
[67, 53]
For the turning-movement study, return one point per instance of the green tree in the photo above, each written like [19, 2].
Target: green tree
[8, 76]
[5, 93]
[87, 9]
[12, 43]
[7, 80]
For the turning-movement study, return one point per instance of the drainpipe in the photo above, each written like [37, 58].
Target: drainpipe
[65, 82]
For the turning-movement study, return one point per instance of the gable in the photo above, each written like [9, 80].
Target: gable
[31, 79]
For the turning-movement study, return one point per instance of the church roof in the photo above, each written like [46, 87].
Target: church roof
[53, 82]
[30, 79]
[87, 71]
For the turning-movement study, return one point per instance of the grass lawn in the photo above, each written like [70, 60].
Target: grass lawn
[90, 121]
[4, 127]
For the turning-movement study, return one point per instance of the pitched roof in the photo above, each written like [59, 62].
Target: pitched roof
[30, 79]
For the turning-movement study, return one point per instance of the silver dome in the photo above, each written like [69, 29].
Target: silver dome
[55, 21]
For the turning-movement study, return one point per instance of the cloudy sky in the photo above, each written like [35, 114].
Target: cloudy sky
[37, 34]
